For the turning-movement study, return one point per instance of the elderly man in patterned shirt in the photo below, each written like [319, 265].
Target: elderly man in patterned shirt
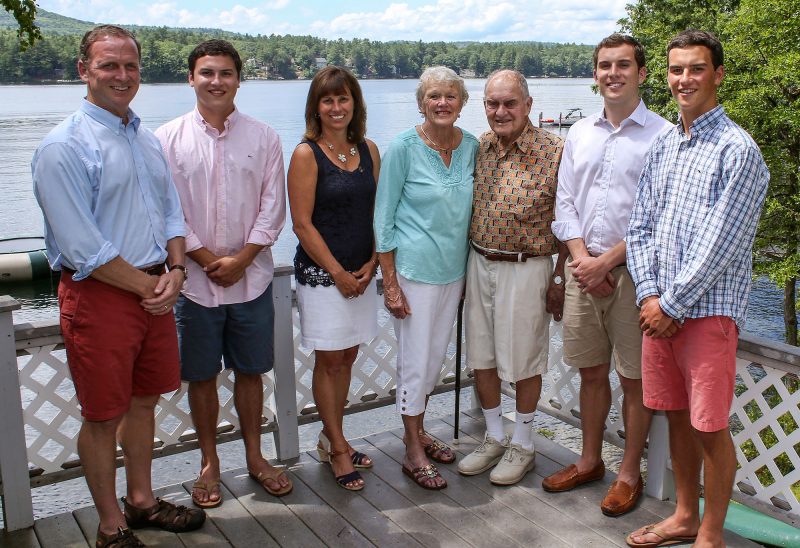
[689, 253]
[512, 288]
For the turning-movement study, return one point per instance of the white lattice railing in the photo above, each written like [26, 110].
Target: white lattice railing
[40, 418]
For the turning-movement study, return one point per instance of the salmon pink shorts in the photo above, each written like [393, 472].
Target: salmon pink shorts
[115, 350]
[695, 369]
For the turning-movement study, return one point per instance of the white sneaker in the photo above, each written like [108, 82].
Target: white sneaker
[486, 455]
[515, 463]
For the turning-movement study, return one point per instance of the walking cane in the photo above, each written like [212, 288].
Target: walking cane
[459, 320]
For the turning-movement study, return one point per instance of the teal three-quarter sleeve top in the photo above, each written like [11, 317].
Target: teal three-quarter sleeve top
[423, 208]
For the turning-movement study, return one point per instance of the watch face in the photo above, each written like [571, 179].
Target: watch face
[558, 280]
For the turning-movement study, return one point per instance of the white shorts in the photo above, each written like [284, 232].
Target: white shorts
[507, 324]
[422, 340]
[329, 321]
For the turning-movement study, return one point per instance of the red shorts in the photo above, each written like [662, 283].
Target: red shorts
[115, 350]
[694, 369]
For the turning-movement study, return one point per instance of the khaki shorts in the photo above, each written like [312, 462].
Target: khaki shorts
[595, 328]
[507, 326]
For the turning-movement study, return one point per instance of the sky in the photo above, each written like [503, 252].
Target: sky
[576, 21]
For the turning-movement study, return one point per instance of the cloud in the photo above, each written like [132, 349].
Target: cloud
[580, 21]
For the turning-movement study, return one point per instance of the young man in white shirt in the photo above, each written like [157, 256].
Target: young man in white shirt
[603, 157]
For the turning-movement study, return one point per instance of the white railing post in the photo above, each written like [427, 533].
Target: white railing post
[17, 504]
[660, 483]
[287, 439]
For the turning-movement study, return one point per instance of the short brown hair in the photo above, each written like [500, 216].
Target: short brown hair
[215, 47]
[694, 37]
[102, 31]
[616, 40]
[329, 81]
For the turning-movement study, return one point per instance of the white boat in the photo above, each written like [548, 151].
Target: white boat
[23, 259]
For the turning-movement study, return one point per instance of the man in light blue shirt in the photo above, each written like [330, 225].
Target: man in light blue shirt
[112, 218]
[690, 240]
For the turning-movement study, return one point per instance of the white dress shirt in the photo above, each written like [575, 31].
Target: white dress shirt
[598, 175]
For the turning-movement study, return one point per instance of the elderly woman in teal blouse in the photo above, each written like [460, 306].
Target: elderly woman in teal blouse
[422, 214]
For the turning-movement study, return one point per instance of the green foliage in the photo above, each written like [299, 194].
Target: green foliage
[164, 53]
[24, 13]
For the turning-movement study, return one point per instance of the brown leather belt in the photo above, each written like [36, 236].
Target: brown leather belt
[155, 270]
[500, 256]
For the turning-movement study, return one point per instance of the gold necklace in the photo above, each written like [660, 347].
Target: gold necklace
[342, 158]
[446, 151]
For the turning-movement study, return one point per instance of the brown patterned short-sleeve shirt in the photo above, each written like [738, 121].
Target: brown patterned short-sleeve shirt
[514, 197]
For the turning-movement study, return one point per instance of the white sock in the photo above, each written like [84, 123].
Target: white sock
[494, 422]
[523, 431]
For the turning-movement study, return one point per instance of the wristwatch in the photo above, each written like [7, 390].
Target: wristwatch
[182, 268]
[558, 280]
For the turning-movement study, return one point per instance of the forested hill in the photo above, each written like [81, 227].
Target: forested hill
[164, 53]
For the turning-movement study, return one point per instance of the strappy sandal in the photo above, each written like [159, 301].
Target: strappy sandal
[438, 451]
[359, 459]
[273, 474]
[208, 487]
[164, 515]
[123, 538]
[424, 475]
[345, 479]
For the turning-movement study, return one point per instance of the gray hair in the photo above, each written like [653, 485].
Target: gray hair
[440, 74]
[513, 74]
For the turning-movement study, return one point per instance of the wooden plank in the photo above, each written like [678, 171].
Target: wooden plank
[24, 538]
[415, 521]
[270, 512]
[234, 522]
[352, 506]
[514, 525]
[60, 531]
[208, 535]
[522, 502]
[462, 520]
[88, 521]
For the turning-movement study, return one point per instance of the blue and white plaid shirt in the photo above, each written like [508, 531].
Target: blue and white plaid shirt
[694, 219]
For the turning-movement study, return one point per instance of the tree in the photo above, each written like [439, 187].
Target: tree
[762, 93]
[24, 11]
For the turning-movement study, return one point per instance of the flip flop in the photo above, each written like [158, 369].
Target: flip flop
[207, 487]
[665, 539]
[272, 474]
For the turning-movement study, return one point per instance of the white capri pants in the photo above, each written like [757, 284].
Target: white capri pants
[422, 340]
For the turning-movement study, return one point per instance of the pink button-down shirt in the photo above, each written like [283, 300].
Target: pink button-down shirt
[231, 186]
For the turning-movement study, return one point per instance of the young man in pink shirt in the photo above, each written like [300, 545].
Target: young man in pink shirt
[228, 169]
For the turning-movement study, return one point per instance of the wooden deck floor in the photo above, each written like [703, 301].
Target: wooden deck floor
[390, 511]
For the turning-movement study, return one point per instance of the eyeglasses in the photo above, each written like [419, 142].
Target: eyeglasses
[493, 105]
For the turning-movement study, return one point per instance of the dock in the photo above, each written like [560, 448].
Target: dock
[390, 511]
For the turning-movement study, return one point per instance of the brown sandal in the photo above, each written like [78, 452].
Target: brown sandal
[272, 474]
[164, 515]
[209, 488]
[123, 538]
[438, 451]
[423, 476]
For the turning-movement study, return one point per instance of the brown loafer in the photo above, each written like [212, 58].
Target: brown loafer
[621, 498]
[569, 478]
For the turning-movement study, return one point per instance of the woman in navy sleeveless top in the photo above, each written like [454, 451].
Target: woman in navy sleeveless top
[332, 182]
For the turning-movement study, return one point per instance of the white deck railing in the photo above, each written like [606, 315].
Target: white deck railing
[40, 417]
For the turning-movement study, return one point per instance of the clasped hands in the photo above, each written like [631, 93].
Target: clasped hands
[653, 322]
[353, 284]
[164, 293]
[593, 276]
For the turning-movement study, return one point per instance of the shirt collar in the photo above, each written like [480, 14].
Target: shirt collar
[109, 119]
[523, 142]
[705, 121]
[638, 116]
[229, 121]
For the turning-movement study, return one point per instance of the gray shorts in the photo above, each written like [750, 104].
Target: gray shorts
[239, 335]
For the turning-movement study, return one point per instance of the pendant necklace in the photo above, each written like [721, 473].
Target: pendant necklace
[342, 158]
[446, 151]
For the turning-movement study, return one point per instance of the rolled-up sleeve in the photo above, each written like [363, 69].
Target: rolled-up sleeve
[394, 170]
[63, 188]
[566, 225]
[272, 209]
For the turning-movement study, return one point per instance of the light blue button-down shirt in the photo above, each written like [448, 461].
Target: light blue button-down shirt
[423, 208]
[105, 190]
[691, 232]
